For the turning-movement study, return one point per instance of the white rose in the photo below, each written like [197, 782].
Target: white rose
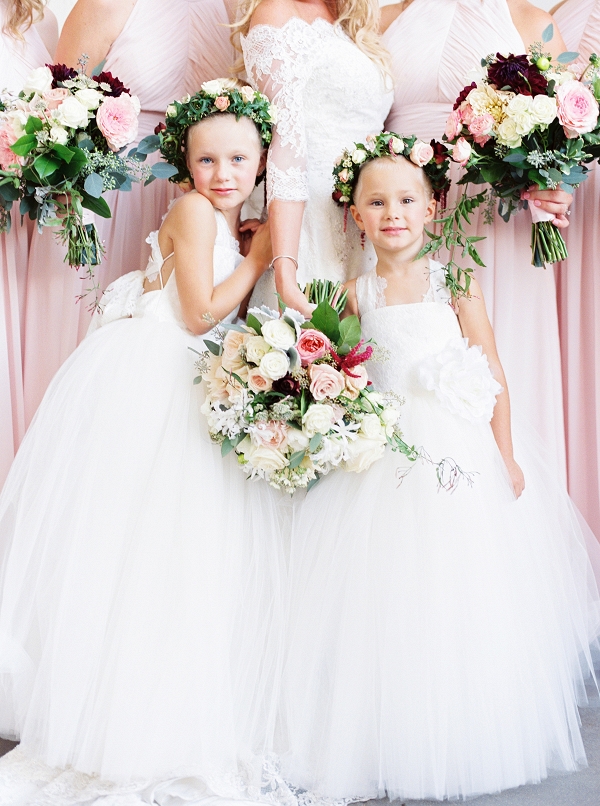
[544, 109]
[318, 419]
[279, 334]
[89, 98]
[507, 133]
[256, 348]
[297, 440]
[171, 111]
[73, 114]
[389, 418]
[59, 135]
[214, 87]
[264, 458]
[371, 427]
[362, 453]
[558, 78]
[39, 80]
[17, 119]
[273, 114]
[397, 145]
[274, 365]
[518, 104]
[247, 94]
[359, 156]
[524, 122]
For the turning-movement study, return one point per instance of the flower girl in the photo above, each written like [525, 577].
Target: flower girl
[438, 643]
[139, 572]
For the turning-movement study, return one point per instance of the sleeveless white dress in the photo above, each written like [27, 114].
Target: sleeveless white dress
[328, 94]
[139, 576]
[437, 642]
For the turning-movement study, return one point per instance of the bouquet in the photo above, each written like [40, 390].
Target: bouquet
[527, 122]
[293, 398]
[317, 291]
[60, 144]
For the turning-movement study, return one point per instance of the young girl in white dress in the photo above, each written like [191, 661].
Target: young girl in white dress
[438, 642]
[140, 572]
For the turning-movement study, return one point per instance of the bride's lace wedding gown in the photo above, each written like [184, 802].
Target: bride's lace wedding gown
[328, 94]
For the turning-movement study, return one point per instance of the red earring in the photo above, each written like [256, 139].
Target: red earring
[362, 239]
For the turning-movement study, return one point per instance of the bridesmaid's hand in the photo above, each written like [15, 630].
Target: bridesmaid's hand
[260, 249]
[552, 201]
[517, 479]
[246, 231]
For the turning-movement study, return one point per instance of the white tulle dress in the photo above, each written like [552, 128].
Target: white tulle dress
[438, 643]
[140, 577]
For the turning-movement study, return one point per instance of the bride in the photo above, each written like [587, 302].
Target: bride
[321, 63]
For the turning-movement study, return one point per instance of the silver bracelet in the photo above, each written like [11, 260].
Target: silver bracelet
[279, 257]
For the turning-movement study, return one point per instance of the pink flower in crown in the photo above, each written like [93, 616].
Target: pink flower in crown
[117, 119]
[222, 103]
[577, 108]
[453, 125]
[421, 153]
[481, 128]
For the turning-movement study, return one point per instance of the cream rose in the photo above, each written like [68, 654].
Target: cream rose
[524, 123]
[274, 365]
[247, 94]
[264, 458]
[171, 111]
[231, 347]
[257, 381]
[279, 334]
[59, 135]
[359, 156]
[213, 87]
[518, 104]
[256, 348]
[355, 385]
[397, 145]
[273, 113]
[371, 427]
[507, 133]
[544, 109]
[325, 381]
[38, 81]
[89, 98]
[389, 418]
[421, 153]
[72, 113]
[318, 419]
[362, 452]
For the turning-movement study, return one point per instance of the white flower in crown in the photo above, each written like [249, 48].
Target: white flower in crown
[397, 145]
[272, 113]
[171, 111]
[218, 85]
[359, 156]
[247, 94]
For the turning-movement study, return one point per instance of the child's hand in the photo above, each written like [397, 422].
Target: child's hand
[261, 250]
[517, 478]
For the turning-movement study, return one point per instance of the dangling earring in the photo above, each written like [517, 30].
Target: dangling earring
[362, 239]
[345, 216]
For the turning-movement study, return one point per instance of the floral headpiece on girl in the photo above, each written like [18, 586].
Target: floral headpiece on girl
[431, 157]
[215, 97]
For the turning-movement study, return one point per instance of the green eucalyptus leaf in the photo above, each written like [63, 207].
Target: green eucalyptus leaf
[94, 185]
[315, 442]
[296, 459]
[548, 34]
[566, 57]
[163, 170]
[98, 206]
[253, 322]
[215, 349]
[148, 145]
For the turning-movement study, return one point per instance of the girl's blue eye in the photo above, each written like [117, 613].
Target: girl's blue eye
[205, 160]
[377, 203]
[407, 201]
[238, 159]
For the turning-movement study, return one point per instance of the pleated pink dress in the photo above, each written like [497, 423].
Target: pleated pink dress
[434, 44]
[17, 60]
[165, 50]
[579, 300]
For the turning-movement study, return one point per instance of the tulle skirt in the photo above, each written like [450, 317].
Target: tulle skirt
[438, 643]
[141, 578]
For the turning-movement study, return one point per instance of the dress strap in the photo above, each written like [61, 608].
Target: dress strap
[370, 292]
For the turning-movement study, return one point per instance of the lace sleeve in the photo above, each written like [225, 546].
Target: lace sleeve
[278, 64]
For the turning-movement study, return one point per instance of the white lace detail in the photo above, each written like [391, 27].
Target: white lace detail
[119, 300]
[156, 260]
[370, 292]
[288, 185]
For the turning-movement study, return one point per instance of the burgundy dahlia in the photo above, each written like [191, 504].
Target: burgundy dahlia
[60, 73]
[159, 128]
[518, 74]
[463, 94]
[286, 386]
[440, 152]
[116, 85]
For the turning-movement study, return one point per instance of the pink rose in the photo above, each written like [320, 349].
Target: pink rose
[577, 108]
[312, 345]
[7, 138]
[222, 103]
[466, 113]
[481, 128]
[461, 151]
[54, 98]
[257, 381]
[421, 153]
[453, 125]
[325, 381]
[117, 119]
[354, 385]
[269, 435]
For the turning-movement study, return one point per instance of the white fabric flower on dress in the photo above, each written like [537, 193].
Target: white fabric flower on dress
[462, 380]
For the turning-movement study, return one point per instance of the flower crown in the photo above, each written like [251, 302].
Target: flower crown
[216, 96]
[432, 158]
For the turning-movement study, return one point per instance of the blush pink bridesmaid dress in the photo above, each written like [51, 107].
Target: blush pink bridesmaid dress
[17, 60]
[579, 300]
[165, 50]
[434, 45]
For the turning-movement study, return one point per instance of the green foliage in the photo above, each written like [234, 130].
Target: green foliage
[327, 320]
[253, 322]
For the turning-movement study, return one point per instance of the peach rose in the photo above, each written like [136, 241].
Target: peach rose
[421, 153]
[577, 108]
[257, 381]
[269, 435]
[222, 103]
[117, 119]
[312, 345]
[325, 381]
[54, 98]
[354, 385]
[231, 349]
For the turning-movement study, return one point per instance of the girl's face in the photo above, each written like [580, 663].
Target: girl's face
[225, 156]
[393, 205]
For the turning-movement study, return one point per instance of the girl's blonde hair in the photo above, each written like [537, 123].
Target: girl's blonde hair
[21, 15]
[358, 18]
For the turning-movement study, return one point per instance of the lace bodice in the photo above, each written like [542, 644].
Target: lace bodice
[125, 297]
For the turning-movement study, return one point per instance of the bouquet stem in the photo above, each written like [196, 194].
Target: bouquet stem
[317, 291]
[83, 244]
[547, 244]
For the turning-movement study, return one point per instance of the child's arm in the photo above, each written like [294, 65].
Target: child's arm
[476, 326]
[192, 229]
[351, 308]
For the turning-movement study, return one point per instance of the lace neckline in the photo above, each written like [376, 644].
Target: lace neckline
[381, 285]
[333, 26]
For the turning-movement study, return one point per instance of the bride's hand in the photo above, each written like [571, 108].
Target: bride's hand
[552, 201]
[517, 479]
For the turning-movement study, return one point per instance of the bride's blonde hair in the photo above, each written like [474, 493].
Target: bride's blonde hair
[358, 18]
[21, 15]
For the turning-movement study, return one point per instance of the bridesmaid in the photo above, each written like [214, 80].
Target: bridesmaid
[579, 300]
[434, 45]
[160, 51]
[28, 35]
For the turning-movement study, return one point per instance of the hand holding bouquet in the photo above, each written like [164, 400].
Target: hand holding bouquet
[60, 144]
[293, 398]
[527, 122]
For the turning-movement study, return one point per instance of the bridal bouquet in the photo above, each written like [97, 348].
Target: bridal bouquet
[293, 398]
[527, 122]
[60, 144]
